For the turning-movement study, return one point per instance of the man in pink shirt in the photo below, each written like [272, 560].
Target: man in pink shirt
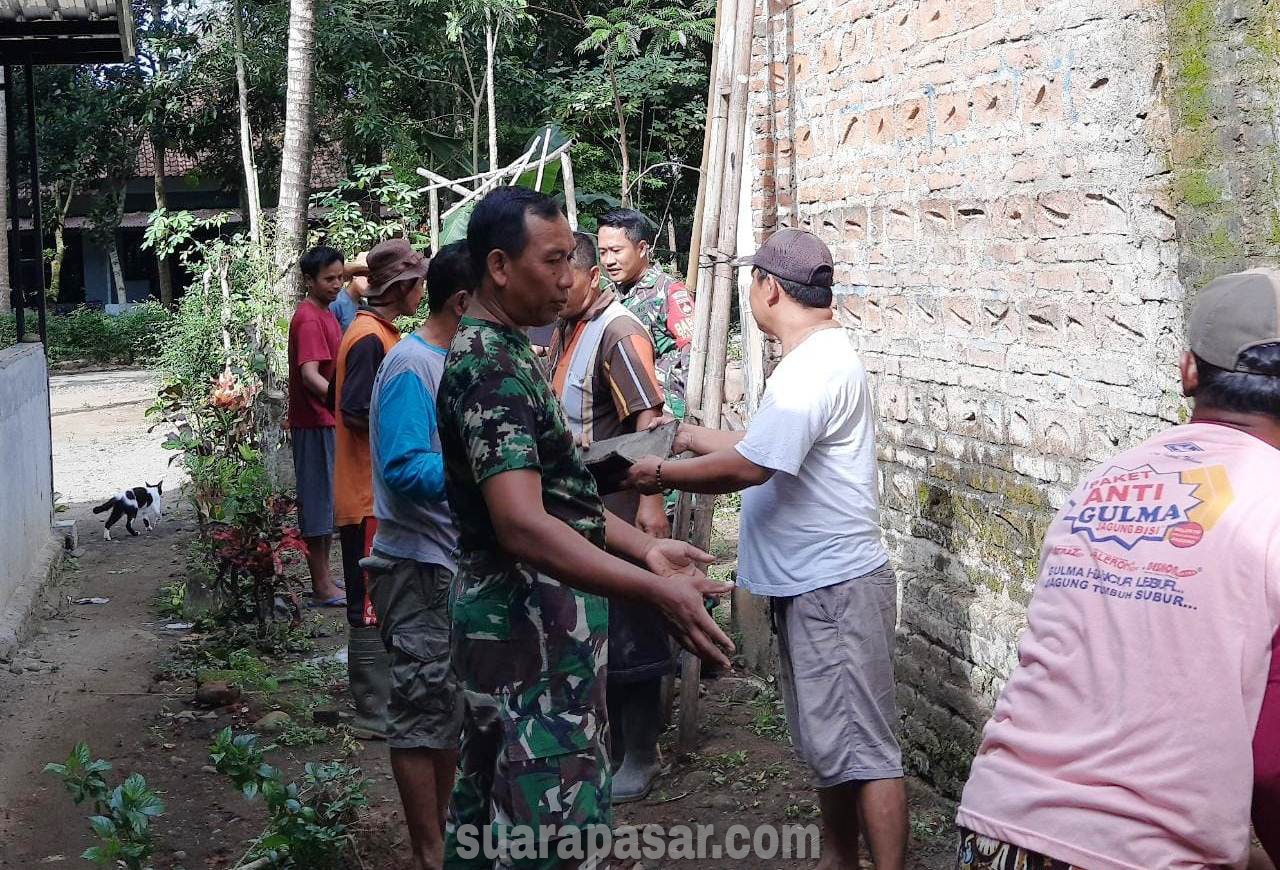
[1124, 738]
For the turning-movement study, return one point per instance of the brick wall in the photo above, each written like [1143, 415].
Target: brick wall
[994, 179]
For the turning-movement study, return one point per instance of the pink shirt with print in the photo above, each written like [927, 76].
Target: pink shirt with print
[1123, 739]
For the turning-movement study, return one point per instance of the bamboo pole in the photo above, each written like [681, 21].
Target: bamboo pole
[717, 111]
[433, 198]
[714, 350]
[695, 237]
[570, 192]
[454, 185]
[542, 161]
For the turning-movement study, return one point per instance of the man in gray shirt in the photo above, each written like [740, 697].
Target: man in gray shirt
[413, 559]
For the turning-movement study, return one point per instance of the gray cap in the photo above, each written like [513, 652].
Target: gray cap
[794, 255]
[1233, 314]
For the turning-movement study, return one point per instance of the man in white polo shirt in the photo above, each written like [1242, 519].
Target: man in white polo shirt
[810, 542]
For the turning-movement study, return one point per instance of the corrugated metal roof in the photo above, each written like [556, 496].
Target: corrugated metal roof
[65, 31]
[57, 10]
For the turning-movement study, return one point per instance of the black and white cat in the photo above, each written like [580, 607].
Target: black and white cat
[141, 501]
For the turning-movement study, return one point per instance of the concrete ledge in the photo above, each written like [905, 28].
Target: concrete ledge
[27, 602]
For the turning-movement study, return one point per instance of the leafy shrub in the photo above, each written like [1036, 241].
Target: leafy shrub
[309, 822]
[135, 336]
[122, 816]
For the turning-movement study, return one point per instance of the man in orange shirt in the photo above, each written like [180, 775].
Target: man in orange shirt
[396, 274]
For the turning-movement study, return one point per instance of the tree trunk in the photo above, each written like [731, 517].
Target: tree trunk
[164, 274]
[113, 250]
[162, 203]
[490, 47]
[624, 148]
[61, 207]
[251, 195]
[5, 292]
[295, 162]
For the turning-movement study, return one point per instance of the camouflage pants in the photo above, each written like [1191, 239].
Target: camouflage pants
[493, 794]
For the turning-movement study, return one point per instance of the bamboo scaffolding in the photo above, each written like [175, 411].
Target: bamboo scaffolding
[695, 237]
[720, 209]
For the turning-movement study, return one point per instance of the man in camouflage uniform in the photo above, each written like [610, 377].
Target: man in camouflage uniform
[530, 616]
[662, 303]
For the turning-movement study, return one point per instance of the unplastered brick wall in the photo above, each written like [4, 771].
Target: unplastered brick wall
[993, 177]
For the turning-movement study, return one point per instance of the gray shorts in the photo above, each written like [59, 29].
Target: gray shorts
[313, 472]
[836, 645]
[412, 602]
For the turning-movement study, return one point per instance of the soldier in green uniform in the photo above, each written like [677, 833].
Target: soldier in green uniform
[662, 303]
[530, 611]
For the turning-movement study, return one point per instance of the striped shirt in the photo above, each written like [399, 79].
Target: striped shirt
[624, 370]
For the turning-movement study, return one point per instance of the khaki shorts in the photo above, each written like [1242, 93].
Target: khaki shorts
[412, 602]
[836, 645]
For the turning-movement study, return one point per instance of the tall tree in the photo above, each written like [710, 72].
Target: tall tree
[159, 141]
[295, 161]
[253, 201]
[620, 35]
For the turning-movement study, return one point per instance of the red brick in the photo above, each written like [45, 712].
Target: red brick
[937, 18]
[936, 216]
[855, 223]
[1057, 279]
[972, 219]
[951, 112]
[899, 223]
[943, 181]
[850, 130]
[806, 142]
[872, 72]
[1041, 100]
[1027, 170]
[1057, 214]
[880, 129]
[993, 103]
[913, 120]
[831, 54]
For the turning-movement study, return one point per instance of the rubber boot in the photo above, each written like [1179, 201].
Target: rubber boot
[369, 672]
[614, 693]
[642, 721]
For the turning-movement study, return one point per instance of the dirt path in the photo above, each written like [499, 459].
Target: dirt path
[100, 438]
[99, 673]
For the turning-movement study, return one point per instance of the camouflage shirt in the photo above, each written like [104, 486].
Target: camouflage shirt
[665, 308]
[536, 645]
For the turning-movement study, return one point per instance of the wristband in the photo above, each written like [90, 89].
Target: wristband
[658, 474]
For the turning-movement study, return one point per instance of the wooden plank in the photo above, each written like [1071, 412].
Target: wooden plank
[690, 683]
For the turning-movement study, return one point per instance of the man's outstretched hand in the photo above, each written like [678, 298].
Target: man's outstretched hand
[681, 600]
[643, 475]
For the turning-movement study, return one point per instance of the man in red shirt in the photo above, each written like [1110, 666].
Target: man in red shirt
[314, 336]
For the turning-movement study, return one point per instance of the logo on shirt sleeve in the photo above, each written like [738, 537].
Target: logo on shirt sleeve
[1131, 505]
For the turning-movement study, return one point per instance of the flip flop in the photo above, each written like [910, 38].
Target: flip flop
[310, 593]
[336, 601]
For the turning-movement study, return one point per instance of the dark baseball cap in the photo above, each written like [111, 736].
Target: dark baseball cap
[1233, 314]
[794, 255]
[390, 262]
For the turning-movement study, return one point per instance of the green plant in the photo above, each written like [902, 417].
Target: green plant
[370, 206]
[309, 822]
[769, 719]
[122, 816]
